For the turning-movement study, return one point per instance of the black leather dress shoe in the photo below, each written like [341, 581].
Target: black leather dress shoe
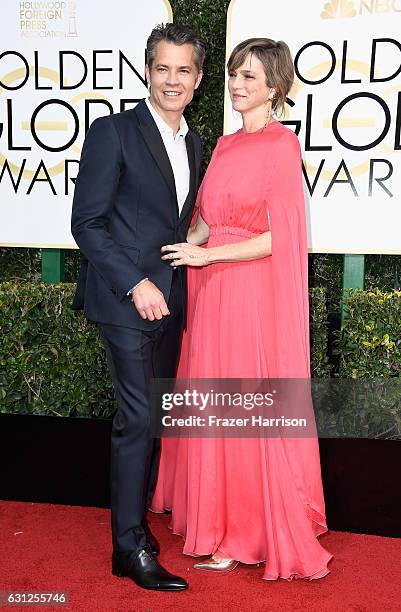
[151, 540]
[142, 567]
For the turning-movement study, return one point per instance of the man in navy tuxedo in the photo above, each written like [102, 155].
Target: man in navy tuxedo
[135, 192]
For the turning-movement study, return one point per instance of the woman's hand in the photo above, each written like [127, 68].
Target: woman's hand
[185, 254]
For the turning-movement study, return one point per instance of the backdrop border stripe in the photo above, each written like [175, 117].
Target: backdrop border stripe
[169, 10]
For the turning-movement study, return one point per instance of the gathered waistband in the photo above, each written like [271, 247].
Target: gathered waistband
[217, 230]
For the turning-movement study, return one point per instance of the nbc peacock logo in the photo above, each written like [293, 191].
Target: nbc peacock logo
[345, 9]
[338, 8]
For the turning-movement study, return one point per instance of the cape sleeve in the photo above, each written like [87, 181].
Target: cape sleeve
[289, 258]
[198, 201]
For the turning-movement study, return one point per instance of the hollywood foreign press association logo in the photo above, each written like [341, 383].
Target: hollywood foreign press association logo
[48, 18]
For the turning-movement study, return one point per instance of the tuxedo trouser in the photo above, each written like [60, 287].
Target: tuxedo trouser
[134, 357]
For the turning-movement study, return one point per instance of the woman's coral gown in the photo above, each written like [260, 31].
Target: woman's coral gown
[251, 499]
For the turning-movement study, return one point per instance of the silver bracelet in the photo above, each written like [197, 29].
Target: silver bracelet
[137, 285]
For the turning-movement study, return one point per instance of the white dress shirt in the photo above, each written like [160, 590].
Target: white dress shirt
[177, 153]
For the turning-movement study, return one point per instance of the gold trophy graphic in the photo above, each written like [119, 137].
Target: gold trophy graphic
[72, 24]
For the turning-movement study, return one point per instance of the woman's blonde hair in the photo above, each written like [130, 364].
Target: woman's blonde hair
[277, 63]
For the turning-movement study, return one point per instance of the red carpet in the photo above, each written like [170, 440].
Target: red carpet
[67, 548]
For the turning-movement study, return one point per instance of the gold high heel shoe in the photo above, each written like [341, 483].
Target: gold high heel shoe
[224, 565]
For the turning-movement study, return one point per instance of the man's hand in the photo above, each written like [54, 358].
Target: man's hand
[149, 301]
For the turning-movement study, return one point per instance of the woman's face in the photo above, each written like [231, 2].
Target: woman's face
[247, 85]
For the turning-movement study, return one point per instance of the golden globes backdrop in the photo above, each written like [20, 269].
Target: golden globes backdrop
[62, 64]
[345, 106]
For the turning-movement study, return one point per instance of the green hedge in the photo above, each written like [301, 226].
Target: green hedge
[320, 367]
[52, 362]
[369, 344]
[363, 399]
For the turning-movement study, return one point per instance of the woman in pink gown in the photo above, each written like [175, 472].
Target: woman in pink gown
[248, 500]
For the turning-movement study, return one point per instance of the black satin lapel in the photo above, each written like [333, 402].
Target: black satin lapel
[156, 146]
[192, 177]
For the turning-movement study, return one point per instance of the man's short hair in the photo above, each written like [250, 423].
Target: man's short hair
[176, 34]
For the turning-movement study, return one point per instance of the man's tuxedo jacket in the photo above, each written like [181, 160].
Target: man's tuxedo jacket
[125, 208]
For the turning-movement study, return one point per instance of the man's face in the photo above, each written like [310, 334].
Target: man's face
[173, 77]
